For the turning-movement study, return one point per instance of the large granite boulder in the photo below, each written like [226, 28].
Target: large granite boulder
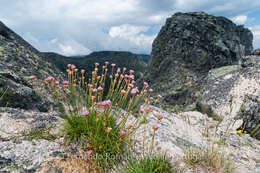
[188, 46]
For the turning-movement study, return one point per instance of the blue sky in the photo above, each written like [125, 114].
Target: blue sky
[73, 27]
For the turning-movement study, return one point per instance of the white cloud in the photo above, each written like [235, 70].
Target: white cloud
[72, 48]
[99, 24]
[241, 19]
[53, 41]
[256, 33]
[133, 34]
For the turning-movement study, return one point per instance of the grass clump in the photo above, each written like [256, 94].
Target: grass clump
[40, 133]
[153, 164]
[209, 158]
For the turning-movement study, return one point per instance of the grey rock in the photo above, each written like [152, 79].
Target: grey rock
[251, 61]
[26, 156]
[250, 113]
[187, 47]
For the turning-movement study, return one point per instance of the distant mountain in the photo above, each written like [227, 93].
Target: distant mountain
[136, 62]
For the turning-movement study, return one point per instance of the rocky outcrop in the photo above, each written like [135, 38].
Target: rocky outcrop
[19, 60]
[256, 52]
[188, 46]
[232, 92]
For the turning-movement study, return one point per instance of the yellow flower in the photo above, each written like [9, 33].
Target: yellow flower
[245, 131]
[239, 131]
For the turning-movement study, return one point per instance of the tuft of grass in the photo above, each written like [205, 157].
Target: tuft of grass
[209, 158]
[40, 133]
[92, 135]
[153, 164]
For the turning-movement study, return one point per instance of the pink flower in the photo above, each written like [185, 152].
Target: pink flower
[69, 65]
[82, 71]
[124, 69]
[131, 71]
[123, 92]
[76, 70]
[159, 96]
[33, 77]
[106, 103]
[96, 69]
[108, 129]
[146, 85]
[93, 98]
[131, 85]
[134, 91]
[49, 79]
[113, 65]
[100, 89]
[118, 70]
[66, 82]
[94, 90]
[155, 127]
[73, 66]
[90, 152]
[122, 133]
[57, 83]
[141, 110]
[106, 62]
[96, 64]
[159, 116]
[150, 90]
[85, 113]
[132, 77]
[90, 85]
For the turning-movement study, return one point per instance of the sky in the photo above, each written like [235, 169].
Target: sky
[79, 27]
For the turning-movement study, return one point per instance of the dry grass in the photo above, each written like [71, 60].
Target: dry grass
[209, 158]
[73, 163]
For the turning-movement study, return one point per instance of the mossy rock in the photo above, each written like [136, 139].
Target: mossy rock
[224, 70]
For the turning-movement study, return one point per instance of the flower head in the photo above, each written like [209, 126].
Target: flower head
[146, 85]
[122, 133]
[134, 91]
[123, 92]
[159, 96]
[33, 77]
[94, 90]
[141, 110]
[159, 116]
[106, 62]
[96, 64]
[108, 129]
[83, 71]
[100, 89]
[90, 152]
[93, 98]
[131, 71]
[150, 90]
[69, 65]
[113, 65]
[155, 127]
[65, 82]
[239, 131]
[85, 113]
